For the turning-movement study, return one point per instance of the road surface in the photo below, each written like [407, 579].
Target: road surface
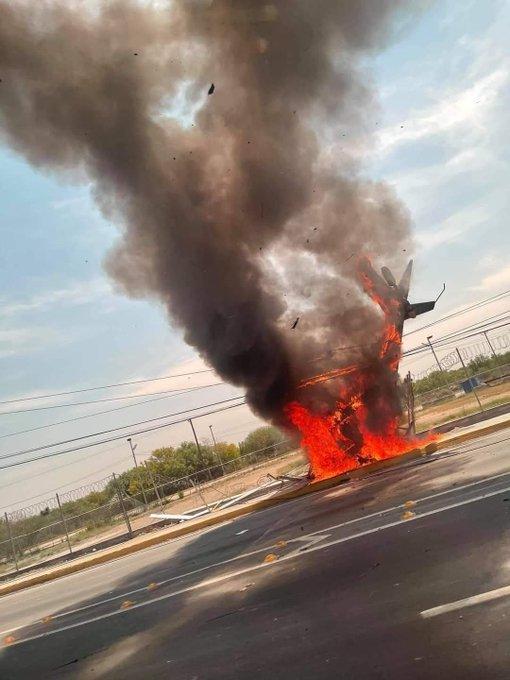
[405, 574]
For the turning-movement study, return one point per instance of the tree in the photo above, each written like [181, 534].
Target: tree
[266, 441]
[226, 452]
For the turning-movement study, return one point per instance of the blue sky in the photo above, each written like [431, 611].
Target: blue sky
[439, 138]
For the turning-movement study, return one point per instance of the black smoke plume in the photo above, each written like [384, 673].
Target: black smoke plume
[240, 209]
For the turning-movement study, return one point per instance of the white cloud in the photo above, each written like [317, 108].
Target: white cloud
[453, 228]
[78, 293]
[184, 382]
[468, 107]
[496, 280]
[19, 341]
[72, 202]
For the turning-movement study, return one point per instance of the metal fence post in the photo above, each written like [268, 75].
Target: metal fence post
[11, 539]
[468, 377]
[121, 500]
[409, 403]
[62, 517]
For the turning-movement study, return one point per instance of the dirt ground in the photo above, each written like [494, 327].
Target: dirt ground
[248, 478]
[457, 407]
[237, 482]
[210, 492]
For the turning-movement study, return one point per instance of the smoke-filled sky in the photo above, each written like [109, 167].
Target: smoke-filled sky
[208, 209]
[64, 327]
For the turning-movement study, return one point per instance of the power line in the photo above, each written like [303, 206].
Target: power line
[63, 486]
[467, 332]
[111, 439]
[74, 462]
[117, 437]
[59, 467]
[98, 401]
[476, 305]
[106, 387]
[99, 413]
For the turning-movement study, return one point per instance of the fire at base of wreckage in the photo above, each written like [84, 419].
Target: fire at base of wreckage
[363, 425]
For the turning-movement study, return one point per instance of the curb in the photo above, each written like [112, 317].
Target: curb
[164, 535]
[467, 436]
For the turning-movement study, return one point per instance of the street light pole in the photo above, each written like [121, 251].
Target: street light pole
[441, 369]
[429, 337]
[216, 449]
[133, 447]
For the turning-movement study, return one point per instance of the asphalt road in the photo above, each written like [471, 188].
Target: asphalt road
[404, 574]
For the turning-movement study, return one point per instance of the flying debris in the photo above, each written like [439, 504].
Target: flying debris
[192, 238]
[295, 323]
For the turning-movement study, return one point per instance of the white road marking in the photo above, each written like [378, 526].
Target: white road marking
[466, 602]
[186, 538]
[310, 539]
[263, 565]
[126, 594]
[191, 537]
[380, 513]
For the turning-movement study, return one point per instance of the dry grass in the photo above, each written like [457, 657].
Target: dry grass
[453, 408]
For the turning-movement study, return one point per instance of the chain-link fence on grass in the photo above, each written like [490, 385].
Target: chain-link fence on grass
[77, 520]
[110, 510]
[465, 393]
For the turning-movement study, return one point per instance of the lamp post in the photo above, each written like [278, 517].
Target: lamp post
[429, 338]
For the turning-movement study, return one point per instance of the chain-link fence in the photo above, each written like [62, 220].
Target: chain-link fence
[109, 511]
[112, 509]
[462, 393]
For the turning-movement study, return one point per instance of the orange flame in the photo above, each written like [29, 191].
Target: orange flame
[329, 375]
[342, 439]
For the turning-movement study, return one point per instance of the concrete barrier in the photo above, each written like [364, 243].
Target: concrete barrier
[216, 518]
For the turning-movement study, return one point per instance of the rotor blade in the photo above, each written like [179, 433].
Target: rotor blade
[405, 281]
[388, 277]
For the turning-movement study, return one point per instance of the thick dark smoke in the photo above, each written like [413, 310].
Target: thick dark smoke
[231, 212]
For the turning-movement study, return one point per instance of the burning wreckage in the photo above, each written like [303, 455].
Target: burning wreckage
[195, 243]
[364, 425]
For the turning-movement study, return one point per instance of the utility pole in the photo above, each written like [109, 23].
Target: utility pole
[140, 481]
[490, 345]
[199, 449]
[122, 506]
[216, 449]
[468, 377]
[63, 519]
